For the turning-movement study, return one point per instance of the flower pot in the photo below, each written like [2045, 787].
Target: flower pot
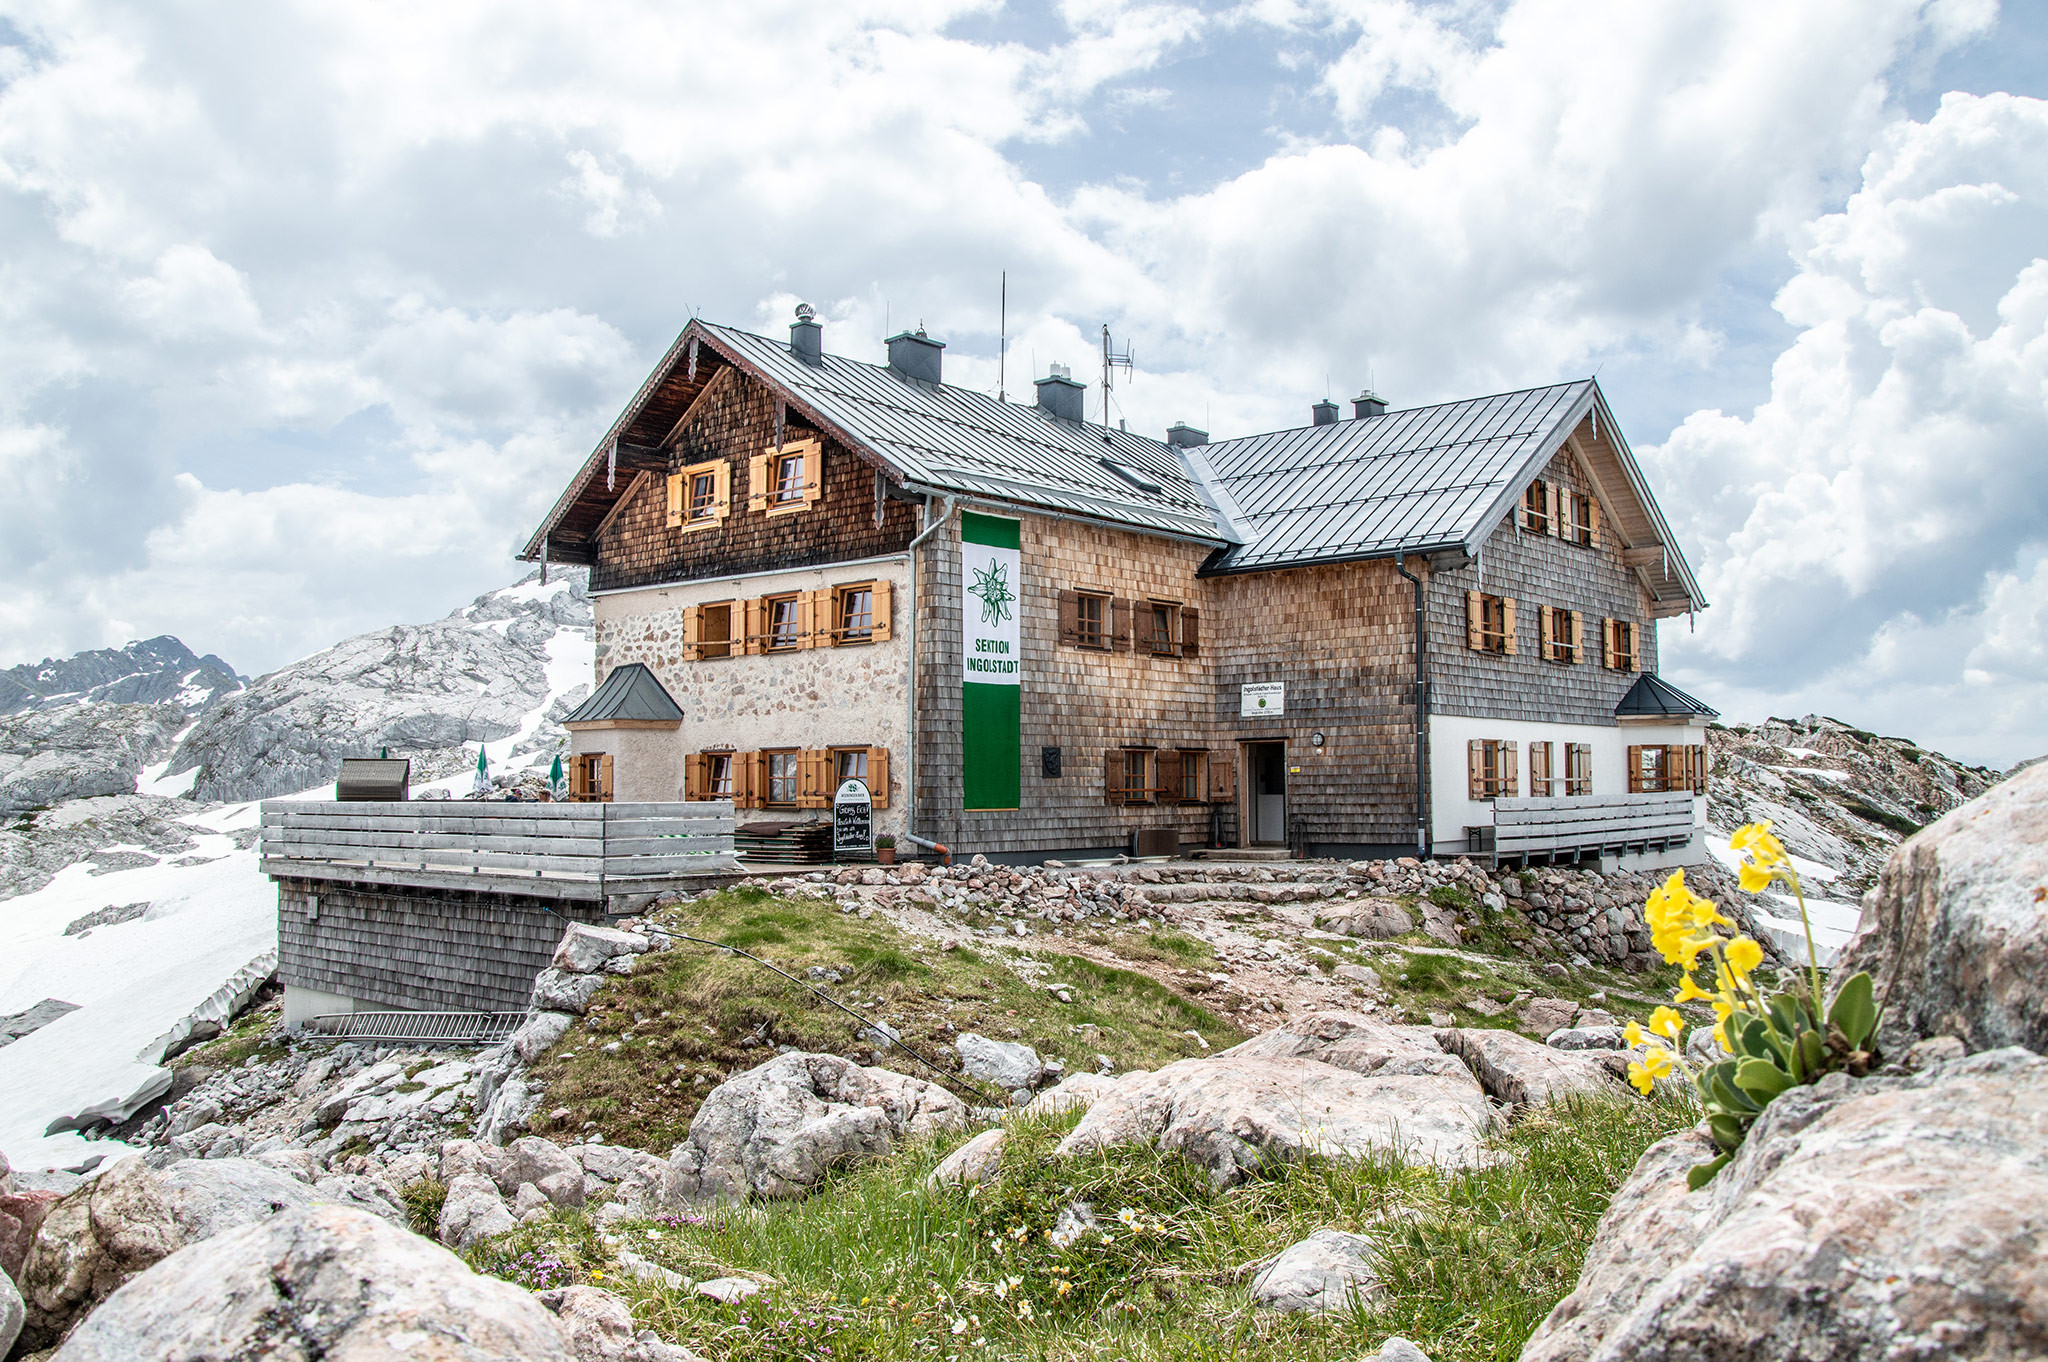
[886, 855]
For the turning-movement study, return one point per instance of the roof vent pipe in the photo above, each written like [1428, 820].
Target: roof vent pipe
[913, 354]
[1325, 412]
[1368, 404]
[807, 336]
[1059, 395]
[1181, 435]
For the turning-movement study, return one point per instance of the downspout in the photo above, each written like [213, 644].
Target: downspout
[1422, 847]
[910, 727]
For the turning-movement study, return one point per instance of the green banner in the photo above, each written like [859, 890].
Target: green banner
[991, 658]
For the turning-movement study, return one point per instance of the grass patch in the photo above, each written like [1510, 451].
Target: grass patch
[691, 1017]
[876, 1266]
[423, 1201]
[1160, 947]
[257, 1032]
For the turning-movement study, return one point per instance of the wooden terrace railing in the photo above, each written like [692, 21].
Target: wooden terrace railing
[1569, 826]
[558, 851]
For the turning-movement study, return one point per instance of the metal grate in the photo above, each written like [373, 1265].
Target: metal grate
[421, 1028]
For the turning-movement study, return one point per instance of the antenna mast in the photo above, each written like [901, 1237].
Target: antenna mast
[1112, 361]
[1002, 337]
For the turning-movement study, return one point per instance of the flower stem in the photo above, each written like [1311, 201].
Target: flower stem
[1820, 1015]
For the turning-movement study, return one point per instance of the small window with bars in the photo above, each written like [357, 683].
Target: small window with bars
[1536, 508]
[1619, 646]
[1561, 629]
[1489, 622]
[1578, 768]
[718, 775]
[1661, 769]
[783, 778]
[785, 622]
[1091, 621]
[714, 630]
[789, 479]
[854, 612]
[849, 763]
[1162, 632]
[1581, 519]
[1492, 768]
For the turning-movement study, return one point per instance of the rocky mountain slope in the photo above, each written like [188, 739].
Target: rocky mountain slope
[1838, 796]
[81, 751]
[155, 671]
[506, 666]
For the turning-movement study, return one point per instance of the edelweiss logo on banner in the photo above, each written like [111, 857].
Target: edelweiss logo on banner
[993, 587]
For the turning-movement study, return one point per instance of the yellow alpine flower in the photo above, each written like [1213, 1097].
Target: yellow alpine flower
[1666, 1022]
[1689, 991]
[1743, 956]
[1633, 1034]
[1645, 1072]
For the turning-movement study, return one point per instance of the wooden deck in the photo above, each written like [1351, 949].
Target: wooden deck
[1567, 827]
[551, 851]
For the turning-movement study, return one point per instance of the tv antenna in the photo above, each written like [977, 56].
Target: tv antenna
[1002, 336]
[1111, 362]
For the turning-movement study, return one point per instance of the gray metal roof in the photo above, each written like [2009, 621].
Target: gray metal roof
[1425, 478]
[1652, 695]
[630, 692]
[958, 440]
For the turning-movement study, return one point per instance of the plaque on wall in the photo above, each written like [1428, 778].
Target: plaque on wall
[853, 818]
[1262, 699]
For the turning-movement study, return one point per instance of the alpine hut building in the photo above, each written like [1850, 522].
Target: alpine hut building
[1429, 630]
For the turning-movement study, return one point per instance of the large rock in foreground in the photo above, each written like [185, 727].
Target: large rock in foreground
[131, 1217]
[1898, 1216]
[1956, 936]
[776, 1131]
[331, 1282]
[1233, 1113]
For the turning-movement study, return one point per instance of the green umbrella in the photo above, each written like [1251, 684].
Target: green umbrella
[558, 785]
[482, 783]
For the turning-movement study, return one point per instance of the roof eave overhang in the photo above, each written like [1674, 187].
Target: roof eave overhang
[926, 488]
[1421, 550]
[1695, 599]
[704, 335]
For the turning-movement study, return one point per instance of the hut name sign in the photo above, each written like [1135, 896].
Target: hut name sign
[991, 662]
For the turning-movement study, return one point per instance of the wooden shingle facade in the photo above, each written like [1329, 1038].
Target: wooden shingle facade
[1219, 641]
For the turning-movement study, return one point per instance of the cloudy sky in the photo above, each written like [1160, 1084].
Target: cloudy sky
[308, 311]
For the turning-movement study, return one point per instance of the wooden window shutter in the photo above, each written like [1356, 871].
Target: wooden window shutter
[1070, 619]
[1222, 777]
[1607, 644]
[1555, 496]
[1507, 624]
[820, 623]
[1120, 625]
[757, 779]
[1166, 777]
[1510, 769]
[693, 776]
[1539, 769]
[1635, 770]
[1635, 651]
[692, 633]
[1546, 634]
[1475, 768]
[885, 602]
[814, 780]
[1578, 622]
[605, 778]
[1592, 520]
[579, 777]
[1699, 770]
[675, 499]
[722, 489]
[1475, 620]
[1113, 776]
[878, 775]
[1190, 631]
[757, 481]
[814, 472]
[756, 630]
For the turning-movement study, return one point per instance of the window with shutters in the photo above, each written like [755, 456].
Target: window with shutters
[1539, 769]
[784, 779]
[590, 778]
[849, 763]
[1130, 776]
[700, 496]
[718, 775]
[1492, 768]
[785, 618]
[1658, 769]
[1581, 519]
[714, 630]
[1536, 508]
[789, 479]
[1091, 621]
[1161, 628]
[1618, 650]
[786, 478]
[1489, 622]
[1578, 768]
[1646, 770]
[1560, 629]
[853, 613]
[1194, 777]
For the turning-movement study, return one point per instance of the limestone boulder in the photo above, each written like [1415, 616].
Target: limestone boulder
[538, 1033]
[586, 949]
[598, 1326]
[1074, 1092]
[557, 990]
[1354, 1041]
[1894, 1216]
[775, 1131]
[472, 1210]
[364, 1193]
[330, 1282]
[1323, 1274]
[133, 1216]
[1372, 918]
[533, 1159]
[1524, 1073]
[972, 1163]
[1956, 934]
[1233, 1113]
[1006, 1064]
[21, 1215]
[12, 1312]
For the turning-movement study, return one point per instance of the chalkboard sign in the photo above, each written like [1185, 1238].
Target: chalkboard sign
[853, 818]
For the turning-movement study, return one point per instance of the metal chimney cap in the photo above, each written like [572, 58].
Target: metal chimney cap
[804, 312]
